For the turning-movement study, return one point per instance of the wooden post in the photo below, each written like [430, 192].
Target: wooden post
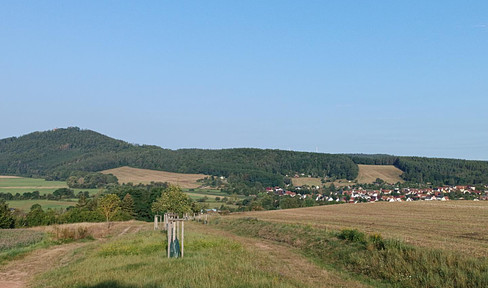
[155, 222]
[169, 240]
[182, 239]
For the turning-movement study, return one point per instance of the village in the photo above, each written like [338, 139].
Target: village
[359, 194]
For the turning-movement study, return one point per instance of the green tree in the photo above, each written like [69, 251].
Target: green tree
[109, 205]
[6, 217]
[127, 205]
[172, 200]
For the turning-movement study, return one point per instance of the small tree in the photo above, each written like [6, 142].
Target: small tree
[109, 205]
[6, 217]
[172, 200]
[127, 205]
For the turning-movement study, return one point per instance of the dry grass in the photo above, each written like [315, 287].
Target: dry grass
[453, 225]
[369, 173]
[145, 176]
[310, 181]
[8, 177]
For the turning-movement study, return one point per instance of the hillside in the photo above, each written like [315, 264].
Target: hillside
[145, 176]
[56, 154]
[369, 173]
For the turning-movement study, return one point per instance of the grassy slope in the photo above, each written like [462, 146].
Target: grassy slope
[369, 173]
[212, 259]
[452, 225]
[145, 176]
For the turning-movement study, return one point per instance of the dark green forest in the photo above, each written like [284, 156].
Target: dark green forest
[61, 153]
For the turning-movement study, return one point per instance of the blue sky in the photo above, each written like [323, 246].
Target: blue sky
[396, 77]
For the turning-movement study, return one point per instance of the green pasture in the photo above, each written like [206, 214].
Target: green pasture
[22, 185]
[25, 205]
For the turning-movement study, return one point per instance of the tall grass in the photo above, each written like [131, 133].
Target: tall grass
[387, 260]
[15, 242]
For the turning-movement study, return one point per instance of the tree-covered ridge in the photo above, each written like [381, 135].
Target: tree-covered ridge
[59, 153]
[438, 171]
[56, 154]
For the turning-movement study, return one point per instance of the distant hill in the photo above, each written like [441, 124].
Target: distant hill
[57, 153]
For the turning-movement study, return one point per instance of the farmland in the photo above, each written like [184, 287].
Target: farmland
[453, 225]
[145, 176]
[369, 173]
[21, 185]
[25, 205]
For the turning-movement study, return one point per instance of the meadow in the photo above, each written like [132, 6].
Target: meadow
[25, 205]
[369, 173]
[22, 185]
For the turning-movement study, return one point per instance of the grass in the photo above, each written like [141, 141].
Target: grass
[25, 205]
[454, 225]
[369, 173]
[139, 260]
[390, 262]
[22, 185]
[310, 181]
[145, 176]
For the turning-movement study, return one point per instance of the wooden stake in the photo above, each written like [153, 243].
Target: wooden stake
[182, 239]
[169, 241]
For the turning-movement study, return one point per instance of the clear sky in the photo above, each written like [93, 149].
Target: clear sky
[396, 77]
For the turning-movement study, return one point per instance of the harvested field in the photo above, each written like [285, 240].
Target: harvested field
[369, 173]
[310, 181]
[453, 225]
[145, 176]
[8, 177]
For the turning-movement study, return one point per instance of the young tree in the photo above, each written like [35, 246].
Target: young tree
[172, 200]
[6, 218]
[127, 205]
[109, 205]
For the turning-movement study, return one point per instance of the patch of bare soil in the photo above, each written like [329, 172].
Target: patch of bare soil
[18, 273]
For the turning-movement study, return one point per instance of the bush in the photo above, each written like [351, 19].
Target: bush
[353, 235]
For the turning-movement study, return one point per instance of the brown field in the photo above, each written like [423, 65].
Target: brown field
[310, 181]
[453, 225]
[369, 173]
[8, 177]
[144, 176]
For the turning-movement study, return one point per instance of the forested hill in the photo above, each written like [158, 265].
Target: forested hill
[56, 154]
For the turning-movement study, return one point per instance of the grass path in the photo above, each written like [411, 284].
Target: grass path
[259, 261]
[289, 262]
[19, 273]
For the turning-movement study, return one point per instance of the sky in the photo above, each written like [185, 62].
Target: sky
[394, 77]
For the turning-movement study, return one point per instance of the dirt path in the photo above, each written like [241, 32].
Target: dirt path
[19, 273]
[288, 261]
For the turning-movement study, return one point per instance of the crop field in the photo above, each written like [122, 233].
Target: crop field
[10, 184]
[25, 205]
[452, 225]
[196, 194]
[310, 181]
[145, 176]
[369, 173]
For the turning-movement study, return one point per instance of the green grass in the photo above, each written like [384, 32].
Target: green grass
[22, 185]
[196, 194]
[139, 260]
[391, 262]
[25, 205]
